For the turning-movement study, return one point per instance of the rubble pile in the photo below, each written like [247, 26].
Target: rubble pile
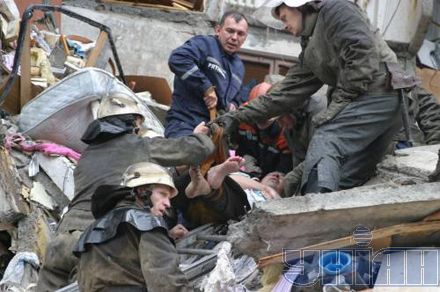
[31, 204]
[41, 145]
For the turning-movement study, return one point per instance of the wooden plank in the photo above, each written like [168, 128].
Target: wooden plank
[65, 46]
[25, 78]
[12, 101]
[181, 7]
[146, 5]
[157, 86]
[198, 5]
[348, 240]
[94, 54]
[380, 243]
[433, 217]
[187, 4]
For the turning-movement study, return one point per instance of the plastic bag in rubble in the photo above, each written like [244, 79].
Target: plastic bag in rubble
[222, 277]
[21, 273]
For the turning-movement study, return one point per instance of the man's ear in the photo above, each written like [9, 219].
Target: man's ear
[217, 29]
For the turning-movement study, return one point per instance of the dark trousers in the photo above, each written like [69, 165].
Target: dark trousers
[344, 152]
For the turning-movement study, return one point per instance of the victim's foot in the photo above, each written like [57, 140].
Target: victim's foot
[198, 185]
[217, 174]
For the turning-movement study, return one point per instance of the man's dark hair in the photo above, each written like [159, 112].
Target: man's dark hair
[234, 14]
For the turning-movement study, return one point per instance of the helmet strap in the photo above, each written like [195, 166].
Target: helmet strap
[143, 199]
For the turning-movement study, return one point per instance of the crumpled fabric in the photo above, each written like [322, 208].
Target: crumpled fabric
[222, 276]
[18, 141]
[108, 128]
[292, 181]
[15, 272]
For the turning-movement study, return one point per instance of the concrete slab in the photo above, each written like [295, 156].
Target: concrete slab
[301, 221]
[60, 171]
[33, 233]
[409, 165]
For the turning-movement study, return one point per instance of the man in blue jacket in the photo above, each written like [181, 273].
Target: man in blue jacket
[209, 75]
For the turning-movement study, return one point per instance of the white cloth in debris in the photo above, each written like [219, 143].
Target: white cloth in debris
[222, 276]
[15, 272]
[254, 196]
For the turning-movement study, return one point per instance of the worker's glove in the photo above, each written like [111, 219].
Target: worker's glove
[228, 122]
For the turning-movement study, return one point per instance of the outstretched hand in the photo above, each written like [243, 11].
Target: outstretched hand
[201, 129]
[177, 232]
[228, 122]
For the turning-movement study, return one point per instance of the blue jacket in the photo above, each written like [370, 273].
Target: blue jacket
[199, 64]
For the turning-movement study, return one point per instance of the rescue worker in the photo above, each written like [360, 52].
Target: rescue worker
[263, 145]
[208, 75]
[127, 248]
[113, 146]
[341, 49]
[280, 143]
[423, 111]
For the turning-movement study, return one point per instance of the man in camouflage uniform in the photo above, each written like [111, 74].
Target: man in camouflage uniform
[113, 146]
[340, 49]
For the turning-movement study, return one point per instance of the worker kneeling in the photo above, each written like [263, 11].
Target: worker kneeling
[127, 248]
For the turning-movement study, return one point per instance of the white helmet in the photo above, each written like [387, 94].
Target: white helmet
[274, 4]
[145, 173]
[118, 103]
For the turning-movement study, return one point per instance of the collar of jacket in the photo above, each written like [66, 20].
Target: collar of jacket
[309, 23]
[224, 53]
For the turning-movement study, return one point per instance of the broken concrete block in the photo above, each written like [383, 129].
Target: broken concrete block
[12, 204]
[302, 221]
[59, 169]
[33, 233]
[411, 164]
[58, 197]
[39, 195]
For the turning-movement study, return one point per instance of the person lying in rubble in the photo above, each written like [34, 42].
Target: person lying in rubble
[113, 145]
[341, 49]
[208, 75]
[225, 194]
[127, 247]
[280, 143]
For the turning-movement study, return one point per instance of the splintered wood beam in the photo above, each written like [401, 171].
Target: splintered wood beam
[348, 240]
[94, 54]
[187, 4]
[25, 72]
[12, 204]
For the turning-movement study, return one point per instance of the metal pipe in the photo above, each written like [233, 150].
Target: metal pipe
[195, 251]
[405, 116]
[212, 237]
